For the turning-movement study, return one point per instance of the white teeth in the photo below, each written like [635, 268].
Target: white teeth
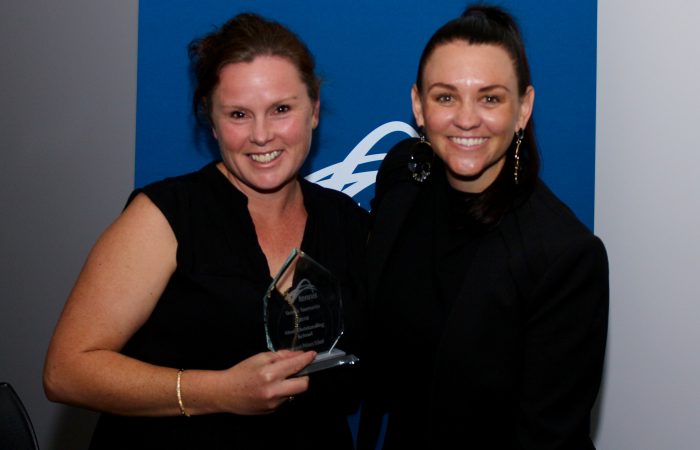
[265, 157]
[468, 142]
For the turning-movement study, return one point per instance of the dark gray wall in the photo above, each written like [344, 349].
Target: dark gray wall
[67, 121]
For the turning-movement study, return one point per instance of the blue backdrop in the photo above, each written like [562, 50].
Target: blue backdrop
[367, 52]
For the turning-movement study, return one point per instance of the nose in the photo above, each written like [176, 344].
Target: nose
[467, 116]
[261, 133]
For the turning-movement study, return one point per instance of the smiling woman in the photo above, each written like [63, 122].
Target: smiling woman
[163, 332]
[263, 119]
[470, 107]
[477, 271]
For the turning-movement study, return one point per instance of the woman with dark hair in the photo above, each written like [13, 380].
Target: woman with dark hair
[164, 330]
[488, 297]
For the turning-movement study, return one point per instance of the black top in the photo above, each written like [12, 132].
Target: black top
[501, 343]
[438, 243]
[210, 316]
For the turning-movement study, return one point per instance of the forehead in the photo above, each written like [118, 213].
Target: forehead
[462, 62]
[264, 75]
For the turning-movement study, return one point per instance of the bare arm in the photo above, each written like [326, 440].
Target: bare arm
[118, 288]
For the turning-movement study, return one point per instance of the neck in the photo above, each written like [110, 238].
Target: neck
[276, 205]
[268, 204]
[279, 218]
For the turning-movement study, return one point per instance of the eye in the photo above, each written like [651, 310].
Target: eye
[281, 109]
[237, 115]
[444, 98]
[492, 99]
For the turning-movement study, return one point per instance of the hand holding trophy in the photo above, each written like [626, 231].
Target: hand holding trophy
[308, 315]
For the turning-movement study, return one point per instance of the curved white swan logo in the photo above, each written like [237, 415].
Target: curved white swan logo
[342, 176]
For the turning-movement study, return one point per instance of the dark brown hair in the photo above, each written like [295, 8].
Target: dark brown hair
[242, 39]
[481, 24]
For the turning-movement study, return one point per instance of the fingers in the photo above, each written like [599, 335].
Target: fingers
[293, 363]
[286, 366]
[289, 362]
[261, 383]
[285, 353]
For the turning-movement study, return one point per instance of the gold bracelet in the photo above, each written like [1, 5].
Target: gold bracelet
[183, 412]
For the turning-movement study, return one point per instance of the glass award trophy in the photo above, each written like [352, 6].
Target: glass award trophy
[308, 314]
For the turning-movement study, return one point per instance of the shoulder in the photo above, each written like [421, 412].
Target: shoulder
[335, 210]
[174, 185]
[327, 198]
[550, 229]
[553, 215]
[175, 196]
[338, 226]
[394, 167]
[551, 254]
[396, 159]
[393, 172]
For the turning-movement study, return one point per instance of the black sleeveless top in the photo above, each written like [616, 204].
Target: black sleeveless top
[210, 316]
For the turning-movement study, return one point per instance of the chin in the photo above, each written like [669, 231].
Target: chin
[466, 171]
[270, 186]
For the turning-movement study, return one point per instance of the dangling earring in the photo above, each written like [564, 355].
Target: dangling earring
[418, 163]
[519, 135]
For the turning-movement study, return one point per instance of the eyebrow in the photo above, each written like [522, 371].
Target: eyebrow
[282, 101]
[452, 87]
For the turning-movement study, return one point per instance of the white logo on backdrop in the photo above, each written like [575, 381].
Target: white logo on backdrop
[342, 176]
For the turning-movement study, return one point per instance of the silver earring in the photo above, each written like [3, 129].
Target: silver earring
[519, 135]
[419, 164]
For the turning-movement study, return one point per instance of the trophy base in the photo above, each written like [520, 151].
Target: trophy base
[333, 358]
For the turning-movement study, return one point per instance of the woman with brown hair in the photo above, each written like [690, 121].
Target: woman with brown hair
[163, 332]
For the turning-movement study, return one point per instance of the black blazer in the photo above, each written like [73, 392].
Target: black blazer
[520, 361]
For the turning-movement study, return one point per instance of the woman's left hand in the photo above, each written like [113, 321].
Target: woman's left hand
[261, 383]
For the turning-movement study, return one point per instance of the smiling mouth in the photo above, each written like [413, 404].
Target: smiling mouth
[468, 142]
[265, 157]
